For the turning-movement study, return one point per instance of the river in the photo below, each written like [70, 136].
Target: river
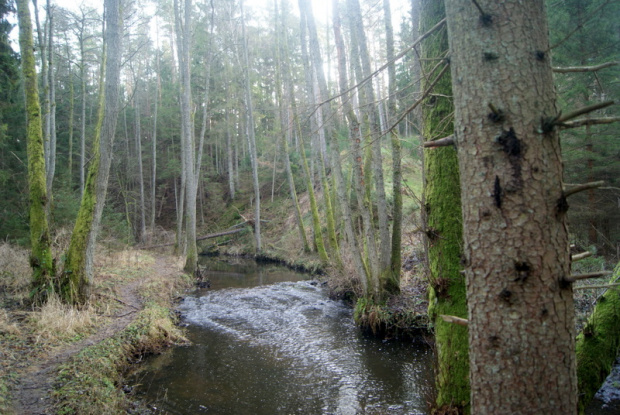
[266, 340]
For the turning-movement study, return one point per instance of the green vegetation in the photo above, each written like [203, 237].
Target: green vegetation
[90, 383]
[598, 343]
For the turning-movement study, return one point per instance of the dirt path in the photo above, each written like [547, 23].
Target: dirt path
[32, 395]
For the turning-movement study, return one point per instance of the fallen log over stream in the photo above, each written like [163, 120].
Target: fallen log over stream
[200, 238]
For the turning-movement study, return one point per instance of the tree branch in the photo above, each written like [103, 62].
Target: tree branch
[594, 68]
[419, 101]
[442, 142]
[582, 187]
[579, 257]
[589, 121]
[577, 277]
[592, 287]
[584, 110]
[396, 58]
[454, 320]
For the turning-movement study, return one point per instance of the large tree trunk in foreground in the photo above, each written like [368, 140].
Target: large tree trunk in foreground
[521, 315]
[442, 220]
[78, 270]
[41, 253]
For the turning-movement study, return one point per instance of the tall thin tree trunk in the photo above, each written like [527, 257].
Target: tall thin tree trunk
[51, 166]
[230, 152]
[71, 112]
[138, 141]
[391, 281]
[154, 140]
[189, 185]
[83, 115]
[43, 272]
[250, 132]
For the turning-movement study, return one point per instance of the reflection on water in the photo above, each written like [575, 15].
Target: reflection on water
[283, 348]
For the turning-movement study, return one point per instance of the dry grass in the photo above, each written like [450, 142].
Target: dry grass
[14, 274]
[7, 326]
[60, 322]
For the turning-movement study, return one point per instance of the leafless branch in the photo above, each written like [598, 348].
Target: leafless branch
[585, 68]
[579, 257]
[582, 187]
[593, 287]
[589, 121]
[577, 277]
[419, 101]
[442, 142]
[454, 320]
[584, 110]
[396, 58]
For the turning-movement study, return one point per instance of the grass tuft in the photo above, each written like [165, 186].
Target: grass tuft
[60, 322]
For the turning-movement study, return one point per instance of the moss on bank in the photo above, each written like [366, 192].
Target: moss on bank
[598, 344]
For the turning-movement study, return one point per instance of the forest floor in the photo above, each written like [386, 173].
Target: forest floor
[129, 286]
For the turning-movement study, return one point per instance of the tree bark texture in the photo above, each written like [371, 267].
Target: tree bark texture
[443, 224]
[41, 254]
[516, 251]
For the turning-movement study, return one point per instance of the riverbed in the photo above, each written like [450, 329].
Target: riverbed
[267, 340]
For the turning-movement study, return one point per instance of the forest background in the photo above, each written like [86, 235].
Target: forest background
[147, 168]
[224, 109]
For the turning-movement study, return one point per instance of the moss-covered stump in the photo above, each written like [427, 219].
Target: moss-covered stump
[598, 344]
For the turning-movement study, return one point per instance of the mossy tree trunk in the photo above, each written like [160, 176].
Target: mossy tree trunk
[442, 219]
[515, 237]
[41, 255]
[78, 270]
[391, 280]
[598, 344]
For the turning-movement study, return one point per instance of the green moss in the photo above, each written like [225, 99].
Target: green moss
[444, 228]
[598, 344]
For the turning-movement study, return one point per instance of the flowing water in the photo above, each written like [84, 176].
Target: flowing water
[266, 340]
